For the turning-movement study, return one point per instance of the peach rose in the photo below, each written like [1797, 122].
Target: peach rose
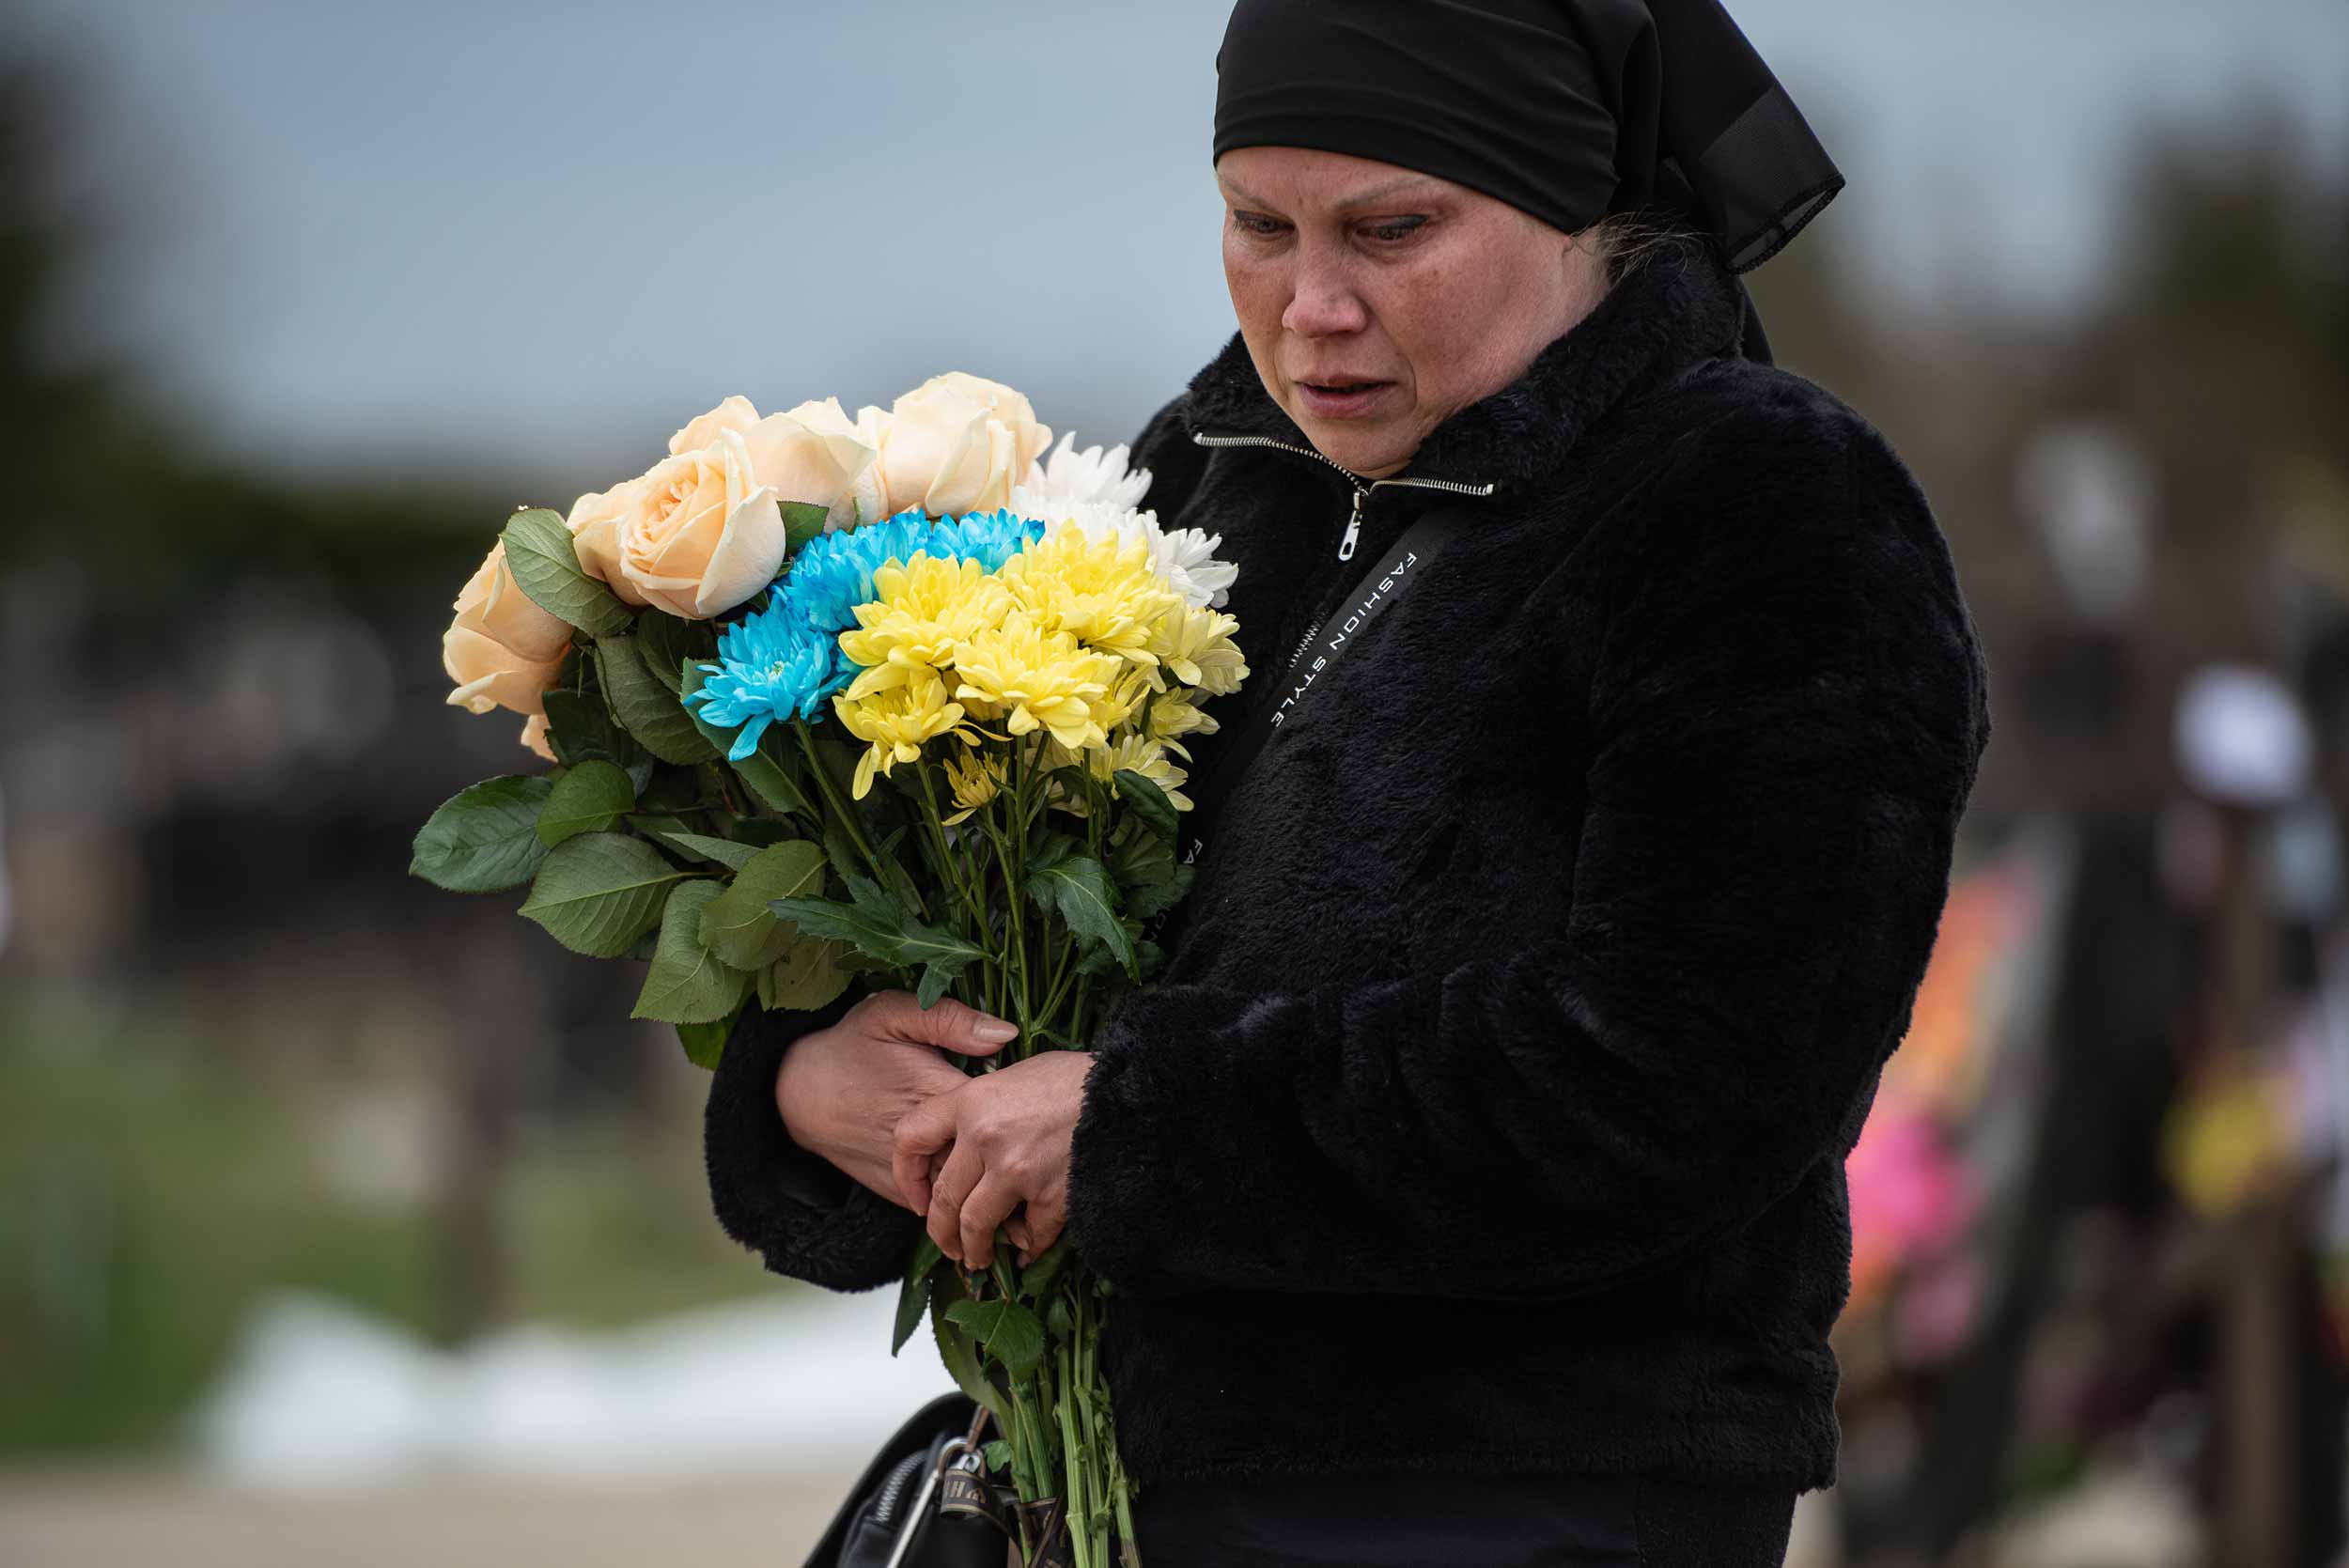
[535, 736]
[703, 530]
[502, 650]
[864, 500]
[956, 444]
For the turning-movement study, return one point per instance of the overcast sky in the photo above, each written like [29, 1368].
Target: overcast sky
[536, 237]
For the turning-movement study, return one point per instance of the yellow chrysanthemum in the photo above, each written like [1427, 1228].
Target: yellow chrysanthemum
[1035, 679]
[897, 720]
[917, 614]
[1121, 705]
[1195, 647]
[1103, 592]
[976, 779]
[1175, 712]
[1140, 754]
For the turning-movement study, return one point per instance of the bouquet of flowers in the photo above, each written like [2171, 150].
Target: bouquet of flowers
[899, 696]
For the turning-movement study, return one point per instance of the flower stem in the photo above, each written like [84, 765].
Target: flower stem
[831, 792]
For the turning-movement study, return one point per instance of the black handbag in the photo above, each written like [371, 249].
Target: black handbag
[924, 1501]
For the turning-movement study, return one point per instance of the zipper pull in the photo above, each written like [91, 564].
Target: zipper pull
[1353, 527]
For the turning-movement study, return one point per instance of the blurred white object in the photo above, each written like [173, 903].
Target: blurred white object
[320, 1394]
[2123, 1516]
[2300, 864]
[2088, 487]
[2240, 736]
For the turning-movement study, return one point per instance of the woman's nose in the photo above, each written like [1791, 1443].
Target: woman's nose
[1325, 301]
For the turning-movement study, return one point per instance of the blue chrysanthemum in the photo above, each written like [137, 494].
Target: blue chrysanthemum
[770, 667]
[784, 658]
[993, 538]
[833, 573]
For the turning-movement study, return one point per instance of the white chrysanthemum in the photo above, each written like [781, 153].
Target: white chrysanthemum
[1091, 474]
[1184, 559]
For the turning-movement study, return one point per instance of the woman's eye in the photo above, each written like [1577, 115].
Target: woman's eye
[1393, 233]
[1257, 223]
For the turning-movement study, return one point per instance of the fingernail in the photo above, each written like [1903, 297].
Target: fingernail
[994, 1031]
[1023, 1260]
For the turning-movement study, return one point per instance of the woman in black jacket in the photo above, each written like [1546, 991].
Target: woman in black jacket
[1472, 1178]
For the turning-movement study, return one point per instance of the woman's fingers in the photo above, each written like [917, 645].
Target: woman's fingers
[1047, 1217]
[957, 1180]
[919, 1134]
[947, 1023]
[989, 1204]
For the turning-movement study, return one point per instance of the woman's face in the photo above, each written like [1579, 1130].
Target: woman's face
[1377, 300]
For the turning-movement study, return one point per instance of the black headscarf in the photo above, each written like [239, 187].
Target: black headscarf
[1569, 110]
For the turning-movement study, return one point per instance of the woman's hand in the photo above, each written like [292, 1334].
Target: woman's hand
[843, 1089]
[1009, 1133]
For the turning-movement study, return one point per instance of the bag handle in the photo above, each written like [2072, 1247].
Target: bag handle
[932, 1476]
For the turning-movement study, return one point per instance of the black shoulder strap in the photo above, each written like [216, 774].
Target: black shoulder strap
[1392, 571]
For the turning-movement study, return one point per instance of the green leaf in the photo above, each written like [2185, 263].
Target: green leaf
[802, 521]
[688, 984]
[665, 642]
[539, 552]
[1010, 1332]
[588, 799]
[705, 1043]
[877, 924]
[956, 1351]
[1155, 899]
[581, 727]
[738, 926]
[649, 710]
[837, 752]
[1150, 880]
[1079, 888]
[914, 1296]
[1037, 1279]
[762, 833]
[1149, 801]
[484, 837]
[1149, 958]
[1061, 1320]
[692, 846]
[936, 978]
[598, 892]
[899, 879]
[841, 849]
[809, 974]
[768, 777]
[672, 790]
[874, 924]
[995, 1453]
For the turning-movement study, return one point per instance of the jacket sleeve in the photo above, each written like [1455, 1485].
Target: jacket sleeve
[804, 1216]
[1788, 705]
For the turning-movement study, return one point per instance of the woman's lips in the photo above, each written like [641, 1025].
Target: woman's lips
[1343, 400]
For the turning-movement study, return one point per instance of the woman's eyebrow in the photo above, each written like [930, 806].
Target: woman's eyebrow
[1348, 203]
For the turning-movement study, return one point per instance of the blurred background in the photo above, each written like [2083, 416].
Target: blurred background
[344, 1217]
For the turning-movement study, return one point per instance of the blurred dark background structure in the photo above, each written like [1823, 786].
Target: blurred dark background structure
[268, 1106]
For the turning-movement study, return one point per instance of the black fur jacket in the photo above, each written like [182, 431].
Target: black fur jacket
[1491, 1109]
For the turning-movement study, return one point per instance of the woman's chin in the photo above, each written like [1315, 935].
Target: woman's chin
[1367, 450]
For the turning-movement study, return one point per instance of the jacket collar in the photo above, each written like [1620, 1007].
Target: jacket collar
[1678, 307]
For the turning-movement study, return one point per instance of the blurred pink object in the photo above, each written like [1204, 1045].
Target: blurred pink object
[1910, 1197]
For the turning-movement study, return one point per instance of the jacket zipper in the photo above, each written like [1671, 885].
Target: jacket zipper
[1362, 491]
